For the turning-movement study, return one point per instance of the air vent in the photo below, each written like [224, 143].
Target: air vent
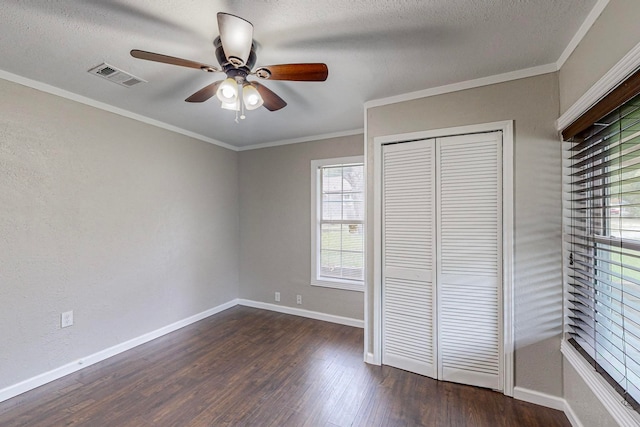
[116, 75]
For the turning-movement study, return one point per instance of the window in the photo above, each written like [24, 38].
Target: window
[337, 212]
[602, 229]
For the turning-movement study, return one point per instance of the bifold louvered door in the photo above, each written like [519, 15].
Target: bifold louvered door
[469, 259]
[408, 265]
[442, 258]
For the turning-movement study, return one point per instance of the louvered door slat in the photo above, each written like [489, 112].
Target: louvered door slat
[469, 259]
[408, 180]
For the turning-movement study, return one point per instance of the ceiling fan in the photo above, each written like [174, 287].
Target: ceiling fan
[236, 54]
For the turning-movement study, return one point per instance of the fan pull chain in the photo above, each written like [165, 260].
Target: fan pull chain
[241, 99]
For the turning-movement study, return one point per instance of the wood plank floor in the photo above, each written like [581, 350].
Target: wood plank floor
[249, 367]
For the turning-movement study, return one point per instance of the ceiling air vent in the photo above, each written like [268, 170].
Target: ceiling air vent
[116, 75]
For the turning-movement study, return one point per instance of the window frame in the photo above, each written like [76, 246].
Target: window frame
[316, 206]
[584, 359]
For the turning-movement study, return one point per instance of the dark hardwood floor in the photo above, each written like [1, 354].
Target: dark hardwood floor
[248, 367]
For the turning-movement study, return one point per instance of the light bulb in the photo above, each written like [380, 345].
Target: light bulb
[227, 92]
[251, 97]
[252, 100]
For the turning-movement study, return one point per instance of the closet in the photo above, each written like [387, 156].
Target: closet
[442, 258]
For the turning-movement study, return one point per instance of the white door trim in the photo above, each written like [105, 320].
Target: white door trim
[507, 234]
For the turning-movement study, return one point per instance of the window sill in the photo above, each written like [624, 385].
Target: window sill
[339, 284]
[601, 389]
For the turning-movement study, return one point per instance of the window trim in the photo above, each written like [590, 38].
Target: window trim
[570, 122]
[583, 163]
[345, 284]
[609, 398]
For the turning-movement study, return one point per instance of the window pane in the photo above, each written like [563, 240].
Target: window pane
[352, 265]
[332, 211]
[330, 263]
[352, 237]
[343, 184]
[354, 176]
[341, 240]
[353, 210]
[342, 251]
[331, 237]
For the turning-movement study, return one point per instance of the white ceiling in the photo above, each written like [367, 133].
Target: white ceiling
[374, 49]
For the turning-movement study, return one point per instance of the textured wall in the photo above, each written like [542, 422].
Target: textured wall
[583, 402]
[613, 34]
[130, 226]
[275, 226]
[610, 38]
[533, 104]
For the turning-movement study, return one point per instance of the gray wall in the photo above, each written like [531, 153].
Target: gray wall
[275, 231]
[611, 37]
[130, 226]
[583, 402]
[533, 104]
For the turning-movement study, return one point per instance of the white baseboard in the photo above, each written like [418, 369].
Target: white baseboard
[543, 399]
[549, 401]
[348, 321]
[519, 393]
[573, 418]
[370, 359]
[54, 374]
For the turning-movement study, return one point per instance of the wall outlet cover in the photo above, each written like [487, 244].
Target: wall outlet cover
[66, 319]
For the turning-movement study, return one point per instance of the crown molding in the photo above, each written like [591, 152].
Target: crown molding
[304, 139]
[43, 87]
[455, 87]
[468, 84]
[624, 68]
[596, 11]
[582, 31]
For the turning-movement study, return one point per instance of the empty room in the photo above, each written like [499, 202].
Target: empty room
[295, 213]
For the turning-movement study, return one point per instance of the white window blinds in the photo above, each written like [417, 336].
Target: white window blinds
[602, 229]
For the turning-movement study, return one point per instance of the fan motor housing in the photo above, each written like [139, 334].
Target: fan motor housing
[226, 64]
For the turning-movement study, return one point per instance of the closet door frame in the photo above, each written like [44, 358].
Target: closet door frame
[506, 127]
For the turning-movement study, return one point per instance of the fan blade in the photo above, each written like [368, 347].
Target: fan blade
[315, 72]
[236, 35]
[204, 93]
[272, 102]
[150, 56]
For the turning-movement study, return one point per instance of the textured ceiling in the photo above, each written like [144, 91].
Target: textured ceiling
[374, 49]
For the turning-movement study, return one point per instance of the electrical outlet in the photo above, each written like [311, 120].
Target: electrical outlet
[66, 319]
[277, 296]
[299, 299]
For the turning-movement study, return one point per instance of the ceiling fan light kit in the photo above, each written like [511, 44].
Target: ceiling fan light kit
[227, 91]
[251, 97]
[235, 52]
